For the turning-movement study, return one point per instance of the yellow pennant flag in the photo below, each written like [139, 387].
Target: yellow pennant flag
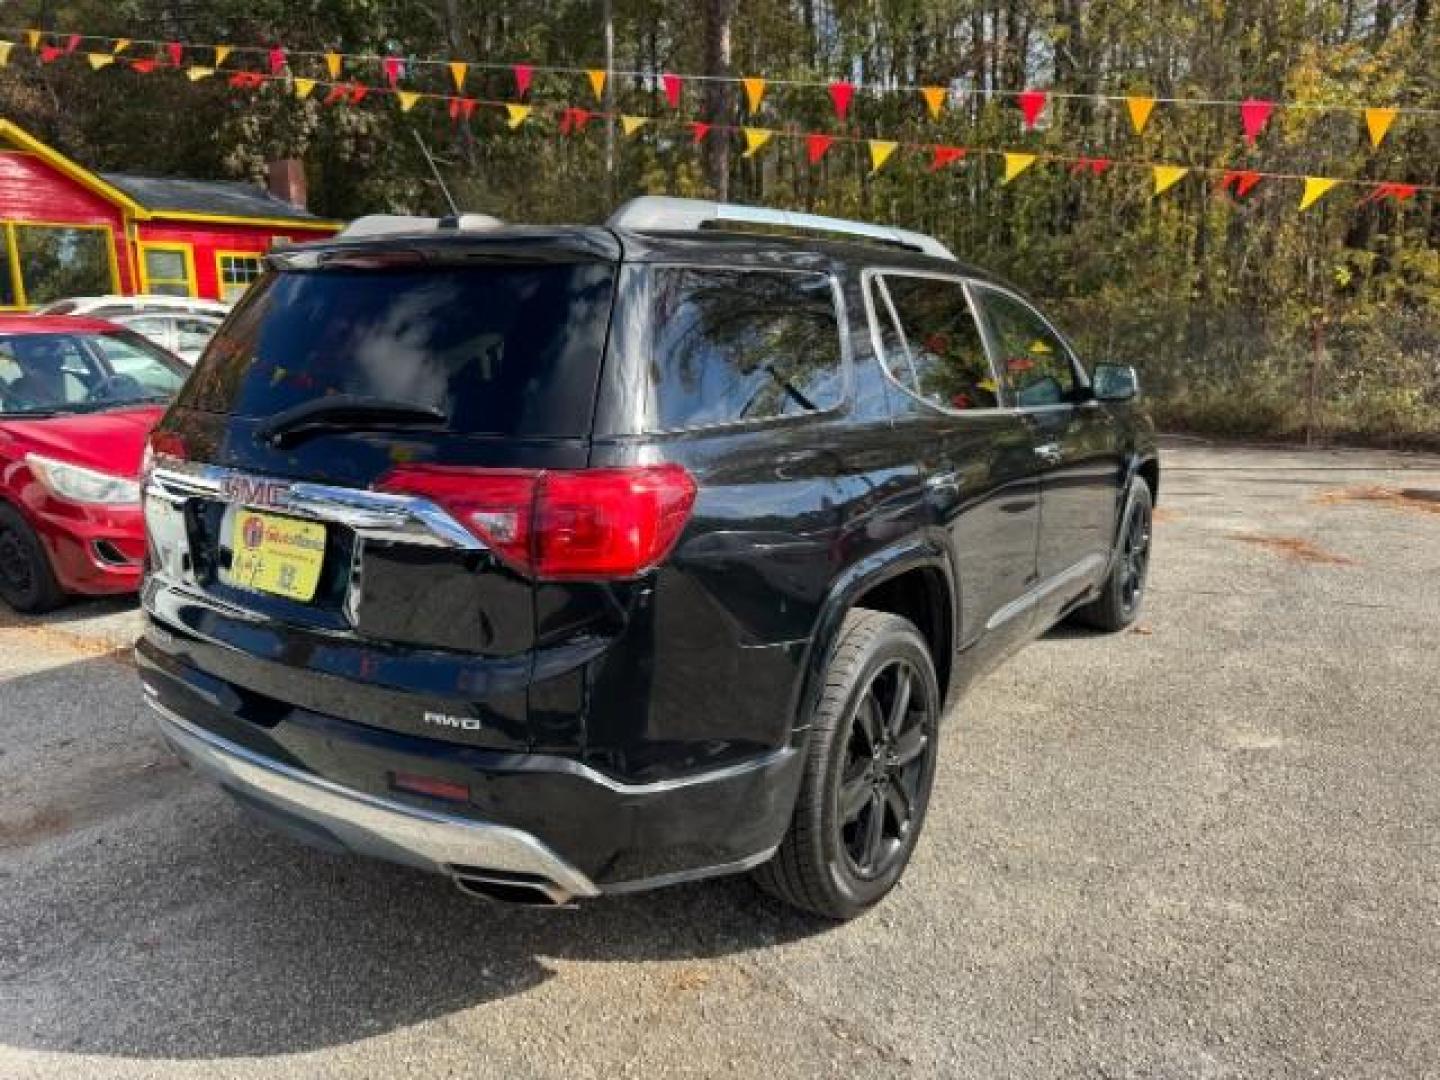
[221, 53]
[880, 151]
[518, 114]
[1015, 164]
[755, 138]
[1315, 186]
[631, 124]
[1167, 176]
[121, 44]
[5, 47]
[98, 60]
[332, 64]
[934, 100]
[597, 82]
[458, 69]
[754, 93]
[304, 88]
[32, 38]
[1378, 122]
[195, 73]
[407, 99]
[1139, 109]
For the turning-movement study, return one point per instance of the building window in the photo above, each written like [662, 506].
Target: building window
[169, 269]
[56, 261]
[235, 271]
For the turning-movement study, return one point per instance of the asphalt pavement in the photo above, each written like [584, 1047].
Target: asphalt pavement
[1208, 847]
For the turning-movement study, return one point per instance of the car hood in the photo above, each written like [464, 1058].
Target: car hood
[112, 442]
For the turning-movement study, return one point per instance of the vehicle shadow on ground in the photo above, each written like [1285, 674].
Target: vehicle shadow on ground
[177, 929]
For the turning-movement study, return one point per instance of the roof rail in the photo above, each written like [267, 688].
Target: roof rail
[387, 224]
[664, 213]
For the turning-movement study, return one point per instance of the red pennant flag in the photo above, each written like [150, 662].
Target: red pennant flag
[1032, 104]
[698, 130]
[462, 108]
[1239, 181]
[394, 68]
[1253, 114]
[1095, 166]
[523, 73]
[942, 156]
[1389, 189]
[176, 51]
[841, 94]
[144, 67]
[336, 95]
[277, 60]
[72, 43]
[671, 84]
[816, 145]
[242, 80]
[50, 53]
[573, 120]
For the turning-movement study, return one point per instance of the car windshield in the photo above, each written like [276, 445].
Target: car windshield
[46, 373]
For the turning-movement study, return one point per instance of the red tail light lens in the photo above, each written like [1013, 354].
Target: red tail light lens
[562, 525]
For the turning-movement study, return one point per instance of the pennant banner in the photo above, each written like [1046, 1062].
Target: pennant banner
[1315, 187]
[880, 151]
[934, 99]
[333, 61]
[1032, 104]
[755, 139]
[121, 44]
[195, 73]
[222, 53]
[1239, 181]
[698, 130]
[671, 84]
[1167, 176]
[515, 115]
[754, 93]
[523, 74]
[32, 38]
[1139, 109]
[176, 52]
[942, 156]
[97, 60]
[816, 145]
[1254, 113]
[407, 99]
[5, 47]
[304, 88]
[597, 82]
[1015, 164]
[458, 70]
[1377, 122]
[629, 125]
[841, 94]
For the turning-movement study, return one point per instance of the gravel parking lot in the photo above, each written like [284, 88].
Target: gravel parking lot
[1209, 847]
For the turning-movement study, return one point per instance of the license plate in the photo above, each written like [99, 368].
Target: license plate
[276, 554]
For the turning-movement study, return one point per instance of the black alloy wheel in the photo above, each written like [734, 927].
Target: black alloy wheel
[868, 768]
[26, 581]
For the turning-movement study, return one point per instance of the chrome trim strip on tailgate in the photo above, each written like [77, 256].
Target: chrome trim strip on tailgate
[367, 824]
[375, 515]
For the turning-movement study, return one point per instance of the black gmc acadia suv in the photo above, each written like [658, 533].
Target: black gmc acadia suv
[570, 561]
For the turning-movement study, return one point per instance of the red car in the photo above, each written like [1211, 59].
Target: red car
[77, 399]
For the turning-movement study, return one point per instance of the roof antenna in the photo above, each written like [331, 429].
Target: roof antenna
[454, 210]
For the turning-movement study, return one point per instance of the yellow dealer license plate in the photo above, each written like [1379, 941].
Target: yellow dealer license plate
[275, 554]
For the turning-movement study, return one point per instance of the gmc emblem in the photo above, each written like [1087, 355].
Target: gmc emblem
[249, 492]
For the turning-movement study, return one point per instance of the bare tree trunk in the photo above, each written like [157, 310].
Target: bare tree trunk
[718, 16]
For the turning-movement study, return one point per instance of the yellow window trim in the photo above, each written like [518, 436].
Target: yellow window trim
[221, 254]
[12, 248]
[186, 250]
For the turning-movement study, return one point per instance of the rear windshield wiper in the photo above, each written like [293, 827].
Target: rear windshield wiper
[346, 412]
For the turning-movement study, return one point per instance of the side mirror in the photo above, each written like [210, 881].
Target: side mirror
[1115, 382]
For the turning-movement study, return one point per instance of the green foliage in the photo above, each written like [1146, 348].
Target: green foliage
[1244, 316]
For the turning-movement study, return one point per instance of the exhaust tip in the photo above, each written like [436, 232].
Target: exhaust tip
[510, 887]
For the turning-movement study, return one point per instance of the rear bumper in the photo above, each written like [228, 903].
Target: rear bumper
[332, 816]
[541, 817]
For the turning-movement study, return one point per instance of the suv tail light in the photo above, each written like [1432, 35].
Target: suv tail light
[561, 525]
[161, 444]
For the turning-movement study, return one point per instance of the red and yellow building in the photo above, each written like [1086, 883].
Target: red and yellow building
[68, 231]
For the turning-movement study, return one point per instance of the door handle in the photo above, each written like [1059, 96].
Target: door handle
[1050, 453]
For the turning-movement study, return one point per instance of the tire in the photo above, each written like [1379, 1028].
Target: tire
[27, 583]
[830, 864]
[1118, 606]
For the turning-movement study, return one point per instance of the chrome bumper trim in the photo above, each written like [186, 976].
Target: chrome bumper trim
[364, 823]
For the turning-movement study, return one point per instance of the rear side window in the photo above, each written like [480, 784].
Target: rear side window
[729, 346]
[500, 349]
[1034, 361]
[931, 343]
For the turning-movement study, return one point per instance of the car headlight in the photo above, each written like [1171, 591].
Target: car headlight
[83, 485]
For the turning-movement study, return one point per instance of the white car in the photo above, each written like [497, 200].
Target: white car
[117, 307]
[183, 334]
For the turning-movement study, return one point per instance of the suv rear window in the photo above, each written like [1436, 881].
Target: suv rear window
[503, 350]
[734, 345]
